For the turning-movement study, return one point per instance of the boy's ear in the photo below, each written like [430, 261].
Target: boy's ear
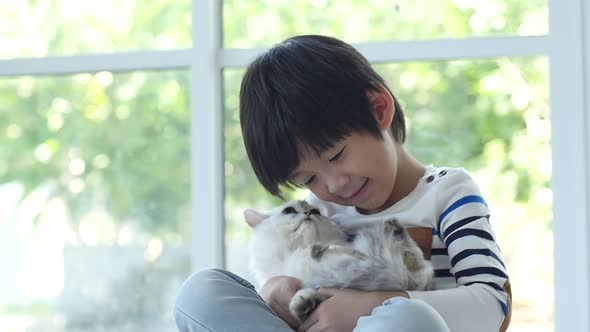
[254, 218]
[383, 106]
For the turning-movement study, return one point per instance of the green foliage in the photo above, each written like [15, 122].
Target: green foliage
[57, 27]
[265, 22]
[118, 143]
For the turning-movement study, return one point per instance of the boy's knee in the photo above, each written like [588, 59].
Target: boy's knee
[218, 300]
[405, 306]
[202, 294]
[202, 288]
[406, 315]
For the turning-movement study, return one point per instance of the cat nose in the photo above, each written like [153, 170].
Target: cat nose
[307, 213]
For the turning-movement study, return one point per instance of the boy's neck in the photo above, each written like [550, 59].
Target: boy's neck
[409, 172]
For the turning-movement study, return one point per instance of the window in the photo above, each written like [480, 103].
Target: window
[122, 167]
[95, 201]
[246, 24]
[62, 27]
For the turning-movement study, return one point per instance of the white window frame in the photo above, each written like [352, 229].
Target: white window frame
[567, 47]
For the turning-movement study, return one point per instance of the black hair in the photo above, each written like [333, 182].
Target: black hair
[306, 92]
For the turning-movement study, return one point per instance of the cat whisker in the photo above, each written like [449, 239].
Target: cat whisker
[298, 225]
[308, 219]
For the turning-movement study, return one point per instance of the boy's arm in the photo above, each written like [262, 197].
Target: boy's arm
[480, 301]
[465, 309]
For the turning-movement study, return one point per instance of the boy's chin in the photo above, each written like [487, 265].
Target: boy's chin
[371, 206]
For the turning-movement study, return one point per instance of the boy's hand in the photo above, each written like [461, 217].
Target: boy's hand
[341, 311]
[277, 293]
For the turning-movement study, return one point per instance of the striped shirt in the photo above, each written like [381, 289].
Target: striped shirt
[469, 269]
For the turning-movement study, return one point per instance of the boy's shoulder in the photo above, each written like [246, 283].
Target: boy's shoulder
[447, 176]
[452, 187]
[448, 183]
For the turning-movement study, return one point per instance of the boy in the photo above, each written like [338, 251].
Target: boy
[315, 114]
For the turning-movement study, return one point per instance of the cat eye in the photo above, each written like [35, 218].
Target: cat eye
[315, 211]
[289, 210]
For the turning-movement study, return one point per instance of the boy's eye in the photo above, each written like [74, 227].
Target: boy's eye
[289, 210]
[310, 181]
[338, 155]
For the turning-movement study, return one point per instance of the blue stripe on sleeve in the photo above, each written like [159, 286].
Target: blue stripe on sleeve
[470, 252]
[442, 273]
[439, 251]
[468, 232]
[460, 202]
[491, 284]
[504, 307]
[458, 224]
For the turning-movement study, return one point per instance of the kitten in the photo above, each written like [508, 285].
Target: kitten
[295, 240]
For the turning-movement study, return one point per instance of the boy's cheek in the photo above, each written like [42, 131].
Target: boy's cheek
[324, 195]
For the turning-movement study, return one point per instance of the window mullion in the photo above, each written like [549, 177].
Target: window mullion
[206, 137]
[115, 62]
[424, 50]
[570, 180]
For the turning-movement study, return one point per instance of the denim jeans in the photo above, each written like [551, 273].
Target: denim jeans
[219, 301]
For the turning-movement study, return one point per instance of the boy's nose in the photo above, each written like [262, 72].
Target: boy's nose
[336, 184]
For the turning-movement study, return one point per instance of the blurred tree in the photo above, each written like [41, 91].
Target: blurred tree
[265, 22]
[119, 143]
[36, 28]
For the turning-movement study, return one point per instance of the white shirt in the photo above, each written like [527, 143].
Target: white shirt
[469, 269]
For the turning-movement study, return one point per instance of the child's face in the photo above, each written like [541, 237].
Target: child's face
[358, 171]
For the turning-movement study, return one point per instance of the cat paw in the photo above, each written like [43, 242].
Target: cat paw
[412, 262]
[317, 251]
[304, 303]
[394, 227]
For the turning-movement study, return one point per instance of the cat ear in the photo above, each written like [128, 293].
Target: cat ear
[253, 218]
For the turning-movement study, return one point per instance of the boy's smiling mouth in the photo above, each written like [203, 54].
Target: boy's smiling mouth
[359, 191]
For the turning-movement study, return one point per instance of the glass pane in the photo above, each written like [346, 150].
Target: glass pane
[241, 186]
[490, 117]
[266, 22]
[94, 225]
[58, 27]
